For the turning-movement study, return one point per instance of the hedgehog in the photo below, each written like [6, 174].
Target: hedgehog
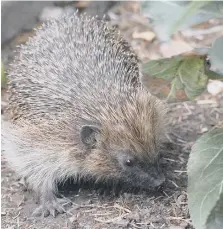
[77, 109]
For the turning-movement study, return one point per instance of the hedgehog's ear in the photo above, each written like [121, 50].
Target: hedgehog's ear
[89, 135]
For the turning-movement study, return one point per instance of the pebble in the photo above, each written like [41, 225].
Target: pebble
[3, 213]
[54, 12]
[215, 87]
[147, 35]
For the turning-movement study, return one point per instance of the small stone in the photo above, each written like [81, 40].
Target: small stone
[215, 87]
[147, 35]
[204, 130]
[51, 12]
[3, 213]
[54, 12]
[73, 219]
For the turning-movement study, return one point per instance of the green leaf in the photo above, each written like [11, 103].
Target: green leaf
[214, 75]
[205, 179]
[216, 55]
[189, 11]
[184, 72]
[165, 68]
[3, 75]
[215, 219]
[168, 16]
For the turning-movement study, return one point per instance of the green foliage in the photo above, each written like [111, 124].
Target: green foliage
[187, 75]
[169, 16]
[192, 8]
[215, 219]
[187, 72]
[3, 75]
[216, 55]
[205, 181]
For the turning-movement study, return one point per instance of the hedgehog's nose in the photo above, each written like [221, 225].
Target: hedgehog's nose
[159, 181]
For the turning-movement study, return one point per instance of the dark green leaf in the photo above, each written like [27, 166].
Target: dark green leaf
[205, 179]
[215, 219]
[183, 72]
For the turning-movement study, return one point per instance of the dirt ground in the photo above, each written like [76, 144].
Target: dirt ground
[167, 208]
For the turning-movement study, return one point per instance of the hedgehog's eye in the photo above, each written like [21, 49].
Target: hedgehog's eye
[129, 162]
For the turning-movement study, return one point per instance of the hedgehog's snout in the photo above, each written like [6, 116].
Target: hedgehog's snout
[143, 175]
[153, 180]
[159, 181]
[156, 177]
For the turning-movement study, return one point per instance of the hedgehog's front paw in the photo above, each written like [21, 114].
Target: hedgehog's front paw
[53, 207]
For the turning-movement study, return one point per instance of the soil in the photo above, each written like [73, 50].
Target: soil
[166, 208]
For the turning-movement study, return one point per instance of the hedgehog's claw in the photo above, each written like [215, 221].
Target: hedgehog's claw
[52, 208]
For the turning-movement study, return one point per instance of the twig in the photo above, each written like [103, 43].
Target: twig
[16, 216]
[111, 220]
[180, 171]
[121, 208]
[174, 183]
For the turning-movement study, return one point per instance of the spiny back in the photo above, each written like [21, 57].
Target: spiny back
[75, 71]
[75, 64]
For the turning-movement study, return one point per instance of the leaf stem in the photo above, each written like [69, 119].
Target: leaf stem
[214, 75]
[172, 92]
[190, 10]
